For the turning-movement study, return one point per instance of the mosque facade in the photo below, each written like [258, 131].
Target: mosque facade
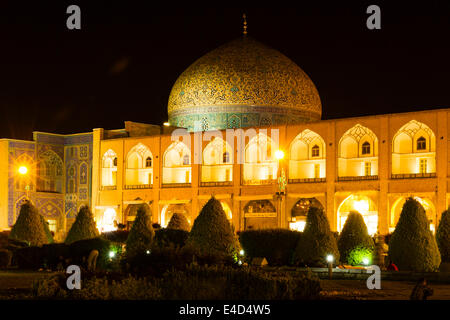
[245, 126]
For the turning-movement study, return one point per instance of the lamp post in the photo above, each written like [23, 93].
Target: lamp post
[279, 155]
[330, 260]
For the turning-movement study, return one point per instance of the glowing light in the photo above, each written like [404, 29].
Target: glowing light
[106, 224]
[23, 170]
[112, 254]
[241, 252]
[147, 252]
[167, 124]
[362, 206]
[330, 258]
[240, 262]
[298, 225]
[432, 229]
[279, 154]
[365, 261]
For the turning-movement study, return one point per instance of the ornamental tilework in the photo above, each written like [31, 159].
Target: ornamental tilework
[243, 77]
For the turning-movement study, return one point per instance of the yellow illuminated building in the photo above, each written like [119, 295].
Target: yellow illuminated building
[369, 164]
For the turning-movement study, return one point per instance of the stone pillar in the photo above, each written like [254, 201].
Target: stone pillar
[331, 174]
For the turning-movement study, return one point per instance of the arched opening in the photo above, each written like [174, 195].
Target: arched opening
[426, 203]
[216, 166]
[299, 212]
[168, 211]
[176, 164]
[131, 212]
[307, 157]
[108, 221]
[414, 151]
[260, 214]
[139, 170]
[260, 166]
[109, 168]
[50, 172]
[358, 154]
[362, 204]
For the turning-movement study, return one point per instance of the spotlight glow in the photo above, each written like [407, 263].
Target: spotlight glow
[23, 170]
[330, 258]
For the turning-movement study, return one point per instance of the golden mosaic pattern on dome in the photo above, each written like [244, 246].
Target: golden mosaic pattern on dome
[244, 73]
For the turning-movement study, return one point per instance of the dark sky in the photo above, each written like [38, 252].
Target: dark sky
[123, 62]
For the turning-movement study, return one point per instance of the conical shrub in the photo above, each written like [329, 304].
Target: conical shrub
[317, 241]
[211, 232]
[83, 228]
[178, 222]
[443, 236]
[141, 234]
[30, 226]
[412, 245]
[354, 243]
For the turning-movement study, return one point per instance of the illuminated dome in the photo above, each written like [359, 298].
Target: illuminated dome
[240, 84]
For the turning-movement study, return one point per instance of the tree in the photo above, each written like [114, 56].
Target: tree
[412, 245]
[141, 234]
[178, 222]
[84, 226]
[211, 232]
[443, 236]
[354, 243]
[30, 226]
[317, 241]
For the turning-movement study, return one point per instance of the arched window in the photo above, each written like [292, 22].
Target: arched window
[421, 143]
[315, 151]
[226, 157]
[366, 148]
[148, 162]
[115, 162]
[186, 160]
[109, 168]
[139, 169]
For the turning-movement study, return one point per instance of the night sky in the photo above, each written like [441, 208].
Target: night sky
[123, 62]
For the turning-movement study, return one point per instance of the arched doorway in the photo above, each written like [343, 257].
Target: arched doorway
[260, 214]
[362, 204]
[169, 209]
[131, 212]
[106, 222]
[300, 211]
[397, 207]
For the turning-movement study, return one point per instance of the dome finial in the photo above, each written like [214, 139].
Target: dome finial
[245, 24]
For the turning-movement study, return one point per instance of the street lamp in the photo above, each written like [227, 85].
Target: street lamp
[23, 170]
[330, 260]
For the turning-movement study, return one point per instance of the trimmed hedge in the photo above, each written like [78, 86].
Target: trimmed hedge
[5, 258]
[116, 236]
[443, 236]
[83, 228]
[412, 245]
[178, 222]
[29, 227]
[170, 237]
[317, 241]
[354, 240]
[80, 250]
[276, 245]
[141, 234]
[212, 232]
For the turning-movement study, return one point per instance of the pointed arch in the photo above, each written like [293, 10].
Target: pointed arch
[177, 164]
[307, 157]
[358, 154]
[260, 166]
[217, 162]
[414, 150]
[109, 168]
[139, 169]
[50, 172]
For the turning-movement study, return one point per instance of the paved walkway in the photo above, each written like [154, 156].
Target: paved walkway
[390, 290]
